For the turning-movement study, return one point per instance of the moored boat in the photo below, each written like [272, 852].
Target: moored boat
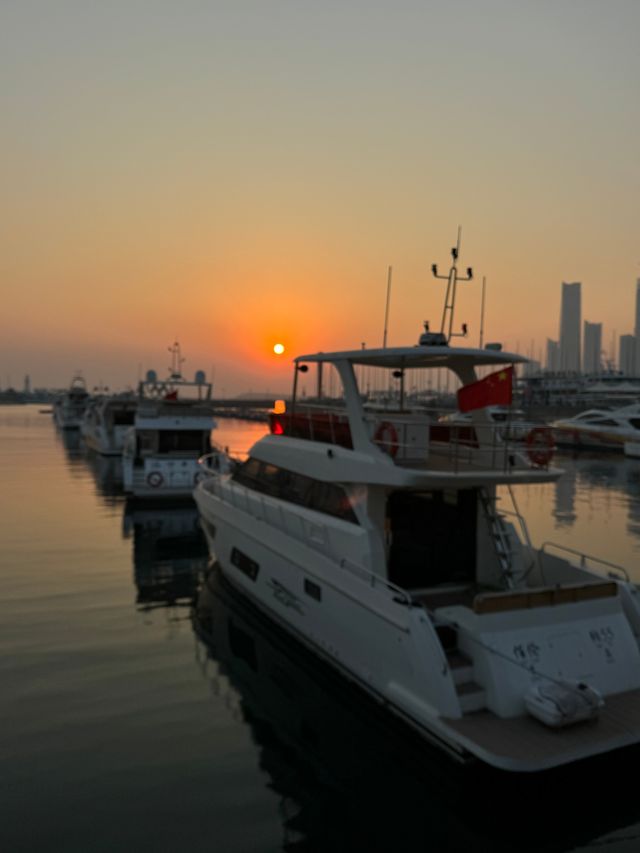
[171, 430]
[378, 540]
[69, 408]
[106, 421]
[599, 429]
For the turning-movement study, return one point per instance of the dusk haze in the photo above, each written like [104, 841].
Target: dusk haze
[240, 175]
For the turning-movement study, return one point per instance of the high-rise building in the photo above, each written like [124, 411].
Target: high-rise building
[592, 360]
[570, 316]
[627, 355]
[553, 356]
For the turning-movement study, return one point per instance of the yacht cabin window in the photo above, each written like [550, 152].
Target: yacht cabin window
[298, 489]
[146, 442]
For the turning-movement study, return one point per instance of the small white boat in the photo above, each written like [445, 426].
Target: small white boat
[171, 430]
[106, 421]
[379, 541]
[600, 429]
[68, 408]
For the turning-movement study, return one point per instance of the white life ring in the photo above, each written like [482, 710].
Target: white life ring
[386, 437]
[155, 479]
[540, 445]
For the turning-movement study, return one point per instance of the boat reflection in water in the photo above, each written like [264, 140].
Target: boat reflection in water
[351, 776]
[107, 473]
[169, 553]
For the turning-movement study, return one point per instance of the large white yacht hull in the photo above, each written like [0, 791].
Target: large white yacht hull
[372, 634]
[371, 639]
[589, 439]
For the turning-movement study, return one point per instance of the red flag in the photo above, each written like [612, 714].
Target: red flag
[494, 390]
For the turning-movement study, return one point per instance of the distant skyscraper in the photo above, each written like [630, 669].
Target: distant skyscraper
[553, 355]
[592, 347]
[627, 357]
[570, 316]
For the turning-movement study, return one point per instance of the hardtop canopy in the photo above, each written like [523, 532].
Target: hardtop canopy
[417, 356]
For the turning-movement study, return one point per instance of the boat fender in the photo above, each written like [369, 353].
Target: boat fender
[386, 437]
[540, 445]
[155, 479]
[561, 703]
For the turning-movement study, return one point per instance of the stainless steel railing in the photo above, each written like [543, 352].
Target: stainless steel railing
[584, 558]
[284, 519]
[413, 439]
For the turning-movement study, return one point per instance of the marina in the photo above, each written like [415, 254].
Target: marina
[315, 538]
[155, 729]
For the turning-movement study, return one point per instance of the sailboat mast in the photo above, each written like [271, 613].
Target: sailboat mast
[386, 312]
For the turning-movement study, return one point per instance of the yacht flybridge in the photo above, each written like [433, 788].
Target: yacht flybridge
[380, 540]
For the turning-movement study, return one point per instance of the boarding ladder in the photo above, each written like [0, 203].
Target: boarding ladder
[500, 535]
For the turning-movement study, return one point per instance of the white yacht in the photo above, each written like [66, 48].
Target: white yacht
[106, 421]
[384, 547]
[513, 422]
[171, 430]
[600, 429]
[69, 407]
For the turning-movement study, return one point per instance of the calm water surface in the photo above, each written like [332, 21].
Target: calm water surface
[126, 725]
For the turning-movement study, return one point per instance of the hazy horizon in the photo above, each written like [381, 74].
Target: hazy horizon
[232, 175]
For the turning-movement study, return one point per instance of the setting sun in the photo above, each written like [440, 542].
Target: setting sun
[278, 349]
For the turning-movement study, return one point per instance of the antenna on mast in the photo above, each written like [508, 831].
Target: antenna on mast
[484, 285]
[450, 299]
[386, 312]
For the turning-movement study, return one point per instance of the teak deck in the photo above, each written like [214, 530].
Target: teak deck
[523, 743]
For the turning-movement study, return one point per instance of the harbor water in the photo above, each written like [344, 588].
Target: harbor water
[146, 707]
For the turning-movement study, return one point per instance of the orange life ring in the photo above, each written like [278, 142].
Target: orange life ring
[540, 445]
[155, 479]
[386, 437]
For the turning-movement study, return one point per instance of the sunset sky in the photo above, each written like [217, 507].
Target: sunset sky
[236, 174]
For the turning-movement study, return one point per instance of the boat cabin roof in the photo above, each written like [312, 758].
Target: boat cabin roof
[417, 356]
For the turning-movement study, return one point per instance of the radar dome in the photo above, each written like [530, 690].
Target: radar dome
[152, 376]
[201, 377]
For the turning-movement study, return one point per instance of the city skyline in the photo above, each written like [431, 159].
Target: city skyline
[237, 175]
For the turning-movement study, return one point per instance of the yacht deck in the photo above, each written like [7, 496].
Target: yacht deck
[523, 743]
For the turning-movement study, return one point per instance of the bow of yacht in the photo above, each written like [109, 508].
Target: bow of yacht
[600, 428]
